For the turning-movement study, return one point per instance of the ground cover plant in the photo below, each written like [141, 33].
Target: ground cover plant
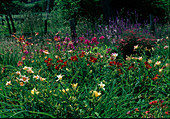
[92, 76]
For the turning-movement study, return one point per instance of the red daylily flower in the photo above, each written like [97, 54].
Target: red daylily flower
[49, 59]
[65, 63]
[147, 65]
[57, 67]
[20, 63]
[156, 77]
[74, 58]
[82, 54]
[167, 113]
[60, 61]
[153, 102]
[136, 109]
[93, 59]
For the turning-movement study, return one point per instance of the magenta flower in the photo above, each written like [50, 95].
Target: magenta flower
[26, 52]
[102, 37]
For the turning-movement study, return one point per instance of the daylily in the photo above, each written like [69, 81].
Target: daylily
[147, 65]
[25, 68]
[8, 83]
[114, 54]
[140, 58]
[21, 83]
[102, 85]
[96, 94]
[36, 77]
[18, 73]
[135, 47]
[34, 91]
[156, 77]
[24, 79]
[59, 77]
[65, 90]
[74, 58]
[20, 63]
[153, 102]
[42, 79]
[157, 63]
[74, 86]
[46, 52]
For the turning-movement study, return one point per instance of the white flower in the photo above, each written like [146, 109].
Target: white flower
[46, 52]
[102, 85]
[18, 73]
[36, 77]
[157, 63]
[114, 54]
[24, 79]
[135, 47]
[8, 83]
[42, 79]
[59, 77]
[25, 68]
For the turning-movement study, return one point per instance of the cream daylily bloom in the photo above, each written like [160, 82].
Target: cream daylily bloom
[25, 68]
[59, 77]
[157, 63]
[42, 79]
[18, 73]
[8, 83]
[36, 77]
[102, 85]
[140, 58]
[135, 47]
[46, 52]
[114, 54]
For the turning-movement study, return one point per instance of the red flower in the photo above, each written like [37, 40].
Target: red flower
[46, 61]
[21, 38]
[119, 64]
[120, 71]
[60, 61]
[167, 113]
[136, 109]
[112, 62]
[56, 67]
[48, 64]
[20, 63]
[92, 59]
[132, 66]
[156, 77]
[147, 112]
[82, 54]
[74, 58]
[147, 65]
[49, 59]
[153, 102]
[65, 63]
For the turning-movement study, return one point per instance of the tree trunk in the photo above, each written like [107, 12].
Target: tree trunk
[152, 27]
[9, 28]
[12, 22]
[106, 10]
[47, 12]
[2, 20]
[73, 28]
